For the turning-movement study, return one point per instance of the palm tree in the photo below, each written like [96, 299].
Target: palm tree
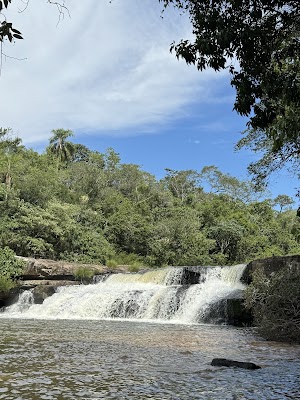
[60, 147]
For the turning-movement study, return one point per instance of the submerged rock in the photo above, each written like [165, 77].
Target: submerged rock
[224, 362]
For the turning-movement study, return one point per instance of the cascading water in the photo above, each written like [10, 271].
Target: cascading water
[159, 295]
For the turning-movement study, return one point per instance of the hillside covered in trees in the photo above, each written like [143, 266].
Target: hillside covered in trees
[76, 204]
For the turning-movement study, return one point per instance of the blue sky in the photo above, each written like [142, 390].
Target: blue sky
[106, 73]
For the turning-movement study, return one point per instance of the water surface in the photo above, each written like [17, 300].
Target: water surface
[65, 359]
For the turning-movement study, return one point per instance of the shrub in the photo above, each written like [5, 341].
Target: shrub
[10, 268]
[275, 302]
[6, 284]
[134, 268]
[84, 274]
[112, 264]
[132, 261]
[123, 258]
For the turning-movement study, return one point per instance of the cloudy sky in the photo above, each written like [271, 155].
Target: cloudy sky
[105, 71]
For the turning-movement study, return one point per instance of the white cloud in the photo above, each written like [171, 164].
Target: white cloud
[104, 71]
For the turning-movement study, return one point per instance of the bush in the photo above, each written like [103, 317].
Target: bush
[133, 268]
[275, 303]
[112, 264]
[10, 268]
[6, 284]
[132, 261]
[84, 274]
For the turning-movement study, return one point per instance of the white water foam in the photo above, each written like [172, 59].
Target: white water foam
[154, 295]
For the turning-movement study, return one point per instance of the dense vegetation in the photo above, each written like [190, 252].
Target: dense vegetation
[80, 205]
[10, 268]
[275, 301]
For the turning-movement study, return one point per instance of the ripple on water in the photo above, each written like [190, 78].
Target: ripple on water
[129, 360]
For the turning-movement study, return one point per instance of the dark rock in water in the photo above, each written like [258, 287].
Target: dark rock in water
[229, 310]
[269, 266]
[224, 362]
[190, 277]
[126, 307]
[8, 298]
[40, 293]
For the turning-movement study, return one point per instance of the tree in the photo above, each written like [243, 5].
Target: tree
[9, 149]
[282, 200]
[182, 184]
[60, 147]
[274, 155]
[176, 238]
[134, 183]
[226, 184]
[227, 235]
[263, 37]
[260, 35]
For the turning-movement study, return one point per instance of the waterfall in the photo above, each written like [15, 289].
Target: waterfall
[25, 301]
[163, 295]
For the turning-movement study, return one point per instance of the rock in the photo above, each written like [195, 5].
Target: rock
[269, 266]
[224, 362]
[29, 284]
[37, 269]
[190, 276]
[187, 276]
[40, 293]
[8, 298]
[230, 311]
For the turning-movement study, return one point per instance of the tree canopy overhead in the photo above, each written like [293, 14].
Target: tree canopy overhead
[258, 41]
[262, 35]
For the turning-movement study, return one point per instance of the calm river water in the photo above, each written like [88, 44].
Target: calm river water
[65, 359]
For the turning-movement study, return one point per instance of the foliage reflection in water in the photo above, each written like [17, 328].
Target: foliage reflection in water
[65, 359]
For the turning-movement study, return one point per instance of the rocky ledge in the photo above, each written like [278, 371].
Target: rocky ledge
[44, 276]
[40, 269]
[269, 266]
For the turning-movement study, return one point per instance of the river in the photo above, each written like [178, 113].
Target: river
[121, 359]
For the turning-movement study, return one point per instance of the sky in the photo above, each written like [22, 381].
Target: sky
[105, 71]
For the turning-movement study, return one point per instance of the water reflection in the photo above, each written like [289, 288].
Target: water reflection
[129, 360]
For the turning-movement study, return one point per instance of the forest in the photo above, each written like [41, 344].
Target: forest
[73, 203]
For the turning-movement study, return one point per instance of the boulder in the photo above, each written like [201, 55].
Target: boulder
[191, 275]
[229, 310]
[269, 266]
[41, 292]
[187, 276]
[224, 362]
[10, 297]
